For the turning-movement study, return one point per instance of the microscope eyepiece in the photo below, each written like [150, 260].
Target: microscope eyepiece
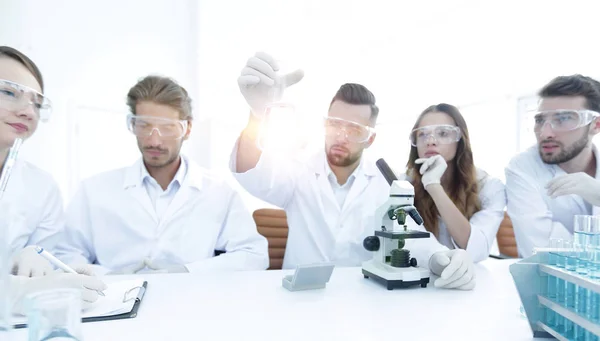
[386, 171]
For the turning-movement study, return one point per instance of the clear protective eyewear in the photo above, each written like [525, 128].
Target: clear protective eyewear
[17, 97]
[144, 126]
[441, 133]
[354, 132]
[562, 120]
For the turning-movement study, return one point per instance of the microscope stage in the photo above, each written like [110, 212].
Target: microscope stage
[409, 234]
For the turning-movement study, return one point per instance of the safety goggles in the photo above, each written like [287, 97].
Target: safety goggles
[16, 97]
[352, 131]
[441, 133]
[562, 120]
[144, 126]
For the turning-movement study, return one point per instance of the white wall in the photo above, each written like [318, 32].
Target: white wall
[91, 53]
[481, 56]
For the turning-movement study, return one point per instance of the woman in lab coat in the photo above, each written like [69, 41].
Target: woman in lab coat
[32, 204]
[461, 205]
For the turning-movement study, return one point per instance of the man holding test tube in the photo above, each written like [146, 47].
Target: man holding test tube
[331, 196]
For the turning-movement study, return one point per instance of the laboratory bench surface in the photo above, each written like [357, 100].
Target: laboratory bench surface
[254, 306]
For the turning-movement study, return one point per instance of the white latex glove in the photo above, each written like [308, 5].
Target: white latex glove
[83, 269]
[580, 184]
[29, 263]
[455, 268]
[162, 267]
[129, 270]
[261, 84]
[23, 286]
[432, 169]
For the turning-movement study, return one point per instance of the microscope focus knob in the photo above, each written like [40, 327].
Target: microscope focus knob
[372, 243]
[413, 262]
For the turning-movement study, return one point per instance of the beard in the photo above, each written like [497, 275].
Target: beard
[166, 157]
[565, 154]
[342, 161]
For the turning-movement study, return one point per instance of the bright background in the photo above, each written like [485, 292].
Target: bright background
[487, 57]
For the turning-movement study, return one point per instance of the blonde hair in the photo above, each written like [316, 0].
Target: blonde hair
[161, 90]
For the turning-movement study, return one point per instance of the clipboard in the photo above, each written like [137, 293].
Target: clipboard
[126, 315]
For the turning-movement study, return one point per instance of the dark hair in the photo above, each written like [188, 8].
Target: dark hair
[20, 57]
[464, 187]
[357, 94]
[574, 85]
[161, 90]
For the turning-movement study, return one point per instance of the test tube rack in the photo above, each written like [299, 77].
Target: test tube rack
[531, 277]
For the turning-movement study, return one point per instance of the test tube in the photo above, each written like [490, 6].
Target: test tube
[553, 255]
[582, 234]
[570, 256]
[560, 283]
[593, 298]
[560, 256]
[552, 286]
[569, 292]
[569, 287]
[594, 247]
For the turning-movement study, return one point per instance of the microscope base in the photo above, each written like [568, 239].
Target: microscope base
[398, 278]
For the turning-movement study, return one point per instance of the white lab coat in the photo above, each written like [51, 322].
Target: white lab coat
[320, 230]
[484, 223]
[535, 216]
[36, 208]
[111, 222]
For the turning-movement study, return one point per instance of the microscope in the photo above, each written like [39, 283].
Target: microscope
[392, 265]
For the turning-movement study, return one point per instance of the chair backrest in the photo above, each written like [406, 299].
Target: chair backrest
[272, 224]
[507, 244]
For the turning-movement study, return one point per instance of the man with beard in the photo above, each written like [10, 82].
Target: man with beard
[331, 196]
[164, 213]
[558, 178]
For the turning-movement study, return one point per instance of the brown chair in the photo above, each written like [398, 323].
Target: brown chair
[272, 224]
[507, 244]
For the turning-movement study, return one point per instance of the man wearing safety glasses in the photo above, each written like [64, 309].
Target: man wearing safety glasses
[164, 213]
[550, 183]
[330, 197]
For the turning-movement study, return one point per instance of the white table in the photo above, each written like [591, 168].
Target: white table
[254, 306]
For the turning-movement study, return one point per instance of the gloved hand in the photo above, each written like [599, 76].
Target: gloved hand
[162, 267]
[432, 169]
[23, 286]
[29, 263]
[580, 184]
[83, 269]
[260, 83]
[128, 270]
[455, 269]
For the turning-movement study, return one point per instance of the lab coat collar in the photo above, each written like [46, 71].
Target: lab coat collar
[188, 174]
[180, 175]
[332, 178]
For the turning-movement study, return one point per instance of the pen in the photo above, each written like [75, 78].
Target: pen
[8, 164]
[55, 261]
